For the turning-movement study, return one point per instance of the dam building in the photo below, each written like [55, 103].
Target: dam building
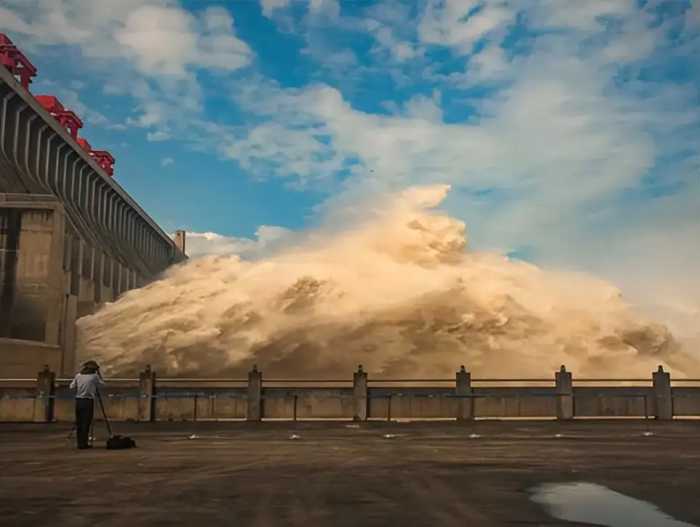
[71, 238]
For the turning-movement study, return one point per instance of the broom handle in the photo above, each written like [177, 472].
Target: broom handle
[102, 407]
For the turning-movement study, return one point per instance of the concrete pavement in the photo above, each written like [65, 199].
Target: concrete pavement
[339, 473]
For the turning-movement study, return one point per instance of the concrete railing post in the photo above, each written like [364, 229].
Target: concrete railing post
[463, 390]
[254, 411]
[45, 391]
[147, 391]
[662, 394]
[359, 394]
[565, 394]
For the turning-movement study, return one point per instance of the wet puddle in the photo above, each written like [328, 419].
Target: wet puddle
[591, 503]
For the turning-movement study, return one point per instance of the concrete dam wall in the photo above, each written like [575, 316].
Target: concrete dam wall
[70, 237]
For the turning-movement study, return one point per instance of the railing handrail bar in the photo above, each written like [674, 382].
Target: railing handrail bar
[589, 379]
[370, 379]
[306, 381]
[197, 379]
[106, 379]
[491, 379]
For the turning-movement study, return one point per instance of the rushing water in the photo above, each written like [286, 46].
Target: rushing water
[393, 288]
[591, 503]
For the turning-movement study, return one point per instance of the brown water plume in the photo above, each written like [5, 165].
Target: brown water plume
[396, 291]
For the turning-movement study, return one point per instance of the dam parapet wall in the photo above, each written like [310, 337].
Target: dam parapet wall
[360, 397]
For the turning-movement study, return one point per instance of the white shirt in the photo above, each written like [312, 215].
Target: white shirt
[86, 385]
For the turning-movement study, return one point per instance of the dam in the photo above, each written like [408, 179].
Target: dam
[71, 238]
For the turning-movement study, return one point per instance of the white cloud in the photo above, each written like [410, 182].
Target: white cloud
[586, 16]
[274, 149]
[462, 23]
[329, 9]
[219, 48]
[150, 50]
[539, 133]
[157, 36]
[267, 238]
[158, 135]
[166, 41]
[490, 64]
[167, 161]
[422, 107]
[12, 20]
[399, 50]
[159, 39]
[269, 6]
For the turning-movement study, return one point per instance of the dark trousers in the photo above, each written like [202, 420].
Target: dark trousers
[84, 409]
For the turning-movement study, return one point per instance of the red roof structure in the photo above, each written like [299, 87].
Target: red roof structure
[105, 160]
[15, 61]
[84, 144]
[66, 118]
[23, 70]
[50, 103]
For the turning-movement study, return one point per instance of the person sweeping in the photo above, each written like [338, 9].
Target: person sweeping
[85, 384]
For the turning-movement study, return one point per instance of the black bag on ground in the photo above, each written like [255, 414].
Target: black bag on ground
[118, 442]
[115, 441]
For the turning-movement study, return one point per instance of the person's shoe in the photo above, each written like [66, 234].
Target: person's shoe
[84, 447]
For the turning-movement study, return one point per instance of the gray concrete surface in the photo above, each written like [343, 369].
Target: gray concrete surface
[340, 473]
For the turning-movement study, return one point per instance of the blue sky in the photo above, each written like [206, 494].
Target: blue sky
[569, 131]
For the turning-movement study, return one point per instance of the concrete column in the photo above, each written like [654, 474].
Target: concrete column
[82, 190]
[118, 208]
[112, 219]
[129, 228]
[45, 390]
[106, 209]
[67, 253]
[359, 394]
[147, 391]
[662, 394]
[98, 268]
[565, 394]
[74, 193]
[92, 271]
[91, 199]
[71, 314]
[181, 240]
[55, 278]
[64, 178]
[254, 412]
[123, 222]
[463, 390]
[101, 206]
[117, 279]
